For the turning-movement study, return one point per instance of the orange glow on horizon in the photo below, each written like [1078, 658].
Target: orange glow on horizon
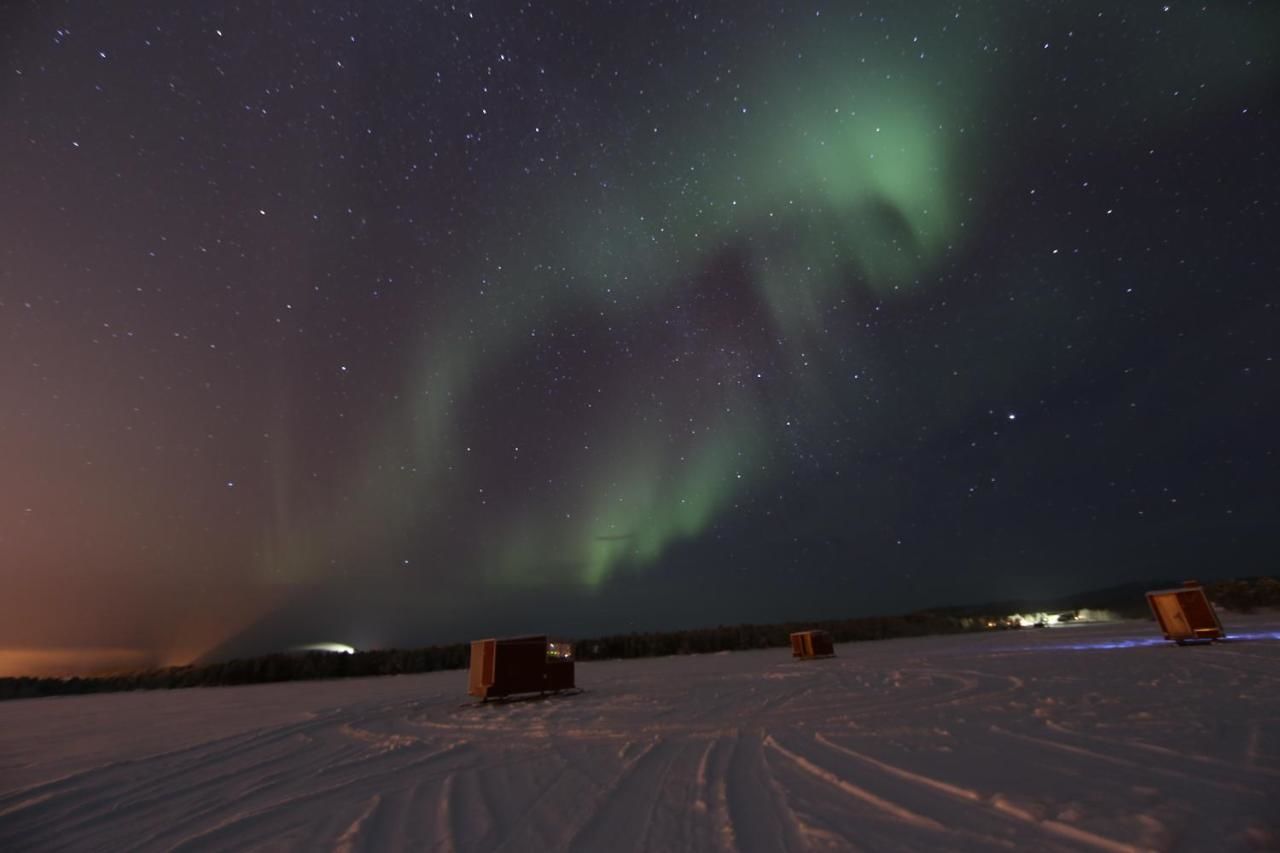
[58, 663]
[181, 641]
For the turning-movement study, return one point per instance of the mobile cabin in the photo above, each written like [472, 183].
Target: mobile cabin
[807, 645]
[1185, 614]
[503, 667]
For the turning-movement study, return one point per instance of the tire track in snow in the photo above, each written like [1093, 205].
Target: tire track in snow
[996, 803]
[1066, 830]
[237, 821]
[700, 778]
[209, 796]
[327, 753]
[217, 750]
[892, 809]
[814, 830]
[446, 830]
[1141, 767]
[347, 841]
[901, 773]
[759, 817]
[544, 793]
[472, 806]
[969, 689]
[1204, 760]
[721, 826]
[69, 810]
[392, 822]
[1143, 763]
[625, 813]
[525, 831]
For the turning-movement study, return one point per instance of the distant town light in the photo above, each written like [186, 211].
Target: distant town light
[336, 648]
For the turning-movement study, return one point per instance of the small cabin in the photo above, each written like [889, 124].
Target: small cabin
[1185, 614]
[502, 667]
[808, 645]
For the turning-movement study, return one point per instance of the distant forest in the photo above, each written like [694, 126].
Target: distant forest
[1241, 596]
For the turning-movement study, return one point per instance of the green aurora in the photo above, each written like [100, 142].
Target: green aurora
[846, 163]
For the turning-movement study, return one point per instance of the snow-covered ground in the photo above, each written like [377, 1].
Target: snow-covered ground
[1080, 738]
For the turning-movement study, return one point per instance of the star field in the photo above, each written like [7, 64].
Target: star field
[404, 322]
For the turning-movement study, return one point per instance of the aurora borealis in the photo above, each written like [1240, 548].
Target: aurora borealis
[404, 322]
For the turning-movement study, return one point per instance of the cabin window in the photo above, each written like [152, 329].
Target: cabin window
[559, 651]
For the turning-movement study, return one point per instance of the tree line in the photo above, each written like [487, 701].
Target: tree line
[1239, 595]
[308, 666]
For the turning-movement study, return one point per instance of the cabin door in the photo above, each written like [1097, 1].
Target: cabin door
[1171, 617]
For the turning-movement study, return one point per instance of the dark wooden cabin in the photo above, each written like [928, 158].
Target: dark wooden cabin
[807, 645]
[503, 667]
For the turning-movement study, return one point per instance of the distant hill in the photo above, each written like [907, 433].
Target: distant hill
[1127, 600]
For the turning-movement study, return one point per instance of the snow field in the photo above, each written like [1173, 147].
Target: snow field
[1087, 738]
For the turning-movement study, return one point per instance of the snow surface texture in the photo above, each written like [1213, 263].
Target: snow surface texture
[1082, 738]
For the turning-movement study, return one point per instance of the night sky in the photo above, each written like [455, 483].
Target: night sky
[395, 323]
